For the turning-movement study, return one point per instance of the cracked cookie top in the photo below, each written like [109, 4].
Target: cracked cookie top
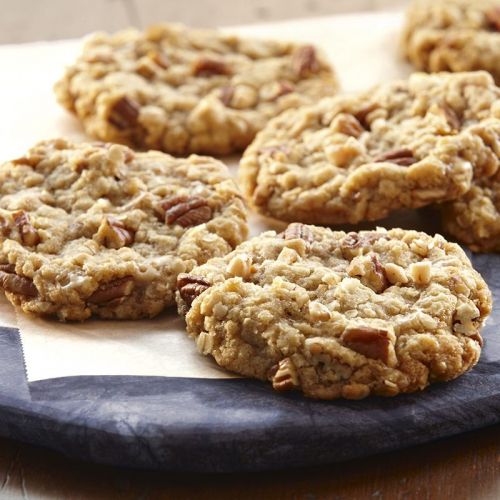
[453, 35]
[182, 90]
[350, 158]
[99, 229]
[337, 314]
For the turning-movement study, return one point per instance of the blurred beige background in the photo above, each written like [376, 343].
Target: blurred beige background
[29, 20]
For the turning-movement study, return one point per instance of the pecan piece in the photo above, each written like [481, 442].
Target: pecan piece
[371, 342]
[380, 279]
[305, 61]
[360, 240]
[363, 113]
[350, 125]
[124, 113]
[283, 88]
[226, 95]
[112, 233]
[29, 235]
[451, 117]
[493, 18]
[160, 59]
[4, 226]
[477, 338]
[403, 157]
[116, 289]
[209, 67]
[186, 210]
[190, 286]
[13, 283]
[285, 378]
[297, 230]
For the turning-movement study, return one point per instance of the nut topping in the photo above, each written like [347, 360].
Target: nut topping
[13, 283]
[451, 117]
[4, 226]
[380, 278]
[226, 95]
[210, 67]
[186, 210]
[124, 113]
[298, 230]
[350, 125]
[159, 58]
[493, 18]
[403, 157]
[282, 88]
[190, 286]
[117, 289]
[285, 378]
[29, 235]
[304, 61]
[363, 113]
[373, 343]
[353, 241]
[112, 233]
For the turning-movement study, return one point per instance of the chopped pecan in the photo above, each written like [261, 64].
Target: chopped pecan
[285, 378]
[4, 226]
[112, 233]
[124, 113]
[403, 157]
[380, 278]
[360, 240]
[226, 95]
[116, 289]
[493, 18]
[159, 58]
[186, 210]
[190, 286]
[373, 343]
[451, 117]
[297, 230]
[304, 61]
[13, 283]
[350, 125]
[283, 88]
[29, 235]
[362, 115]
[209, 67]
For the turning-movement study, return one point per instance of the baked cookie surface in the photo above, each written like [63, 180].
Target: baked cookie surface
[98, 229]
[337, 314]
[182, 90]
[453, 35]
[404, 144]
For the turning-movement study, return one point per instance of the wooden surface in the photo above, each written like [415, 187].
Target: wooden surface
[30, 20]
[463, 467]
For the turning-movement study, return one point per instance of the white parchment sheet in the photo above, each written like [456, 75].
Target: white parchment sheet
[363, 49]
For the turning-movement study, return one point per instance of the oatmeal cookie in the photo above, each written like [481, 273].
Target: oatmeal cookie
[453, 35]
[339, 315]
[98, 229]
[404, 144]
[182, 90]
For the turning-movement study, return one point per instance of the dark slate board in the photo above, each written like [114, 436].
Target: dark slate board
[229, 425]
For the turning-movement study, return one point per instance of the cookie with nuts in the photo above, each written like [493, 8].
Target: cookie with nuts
[184, 90]
[97, 229]
[350, 158]
[453, 35]
[474, 219]
[335, 314]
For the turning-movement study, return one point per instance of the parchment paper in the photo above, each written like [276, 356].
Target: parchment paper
[363, 49]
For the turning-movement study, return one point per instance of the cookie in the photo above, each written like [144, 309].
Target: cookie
[96, 229]
[474, 219]
[337, 314]
[453, 35]
[182, 90]
[403, 144]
